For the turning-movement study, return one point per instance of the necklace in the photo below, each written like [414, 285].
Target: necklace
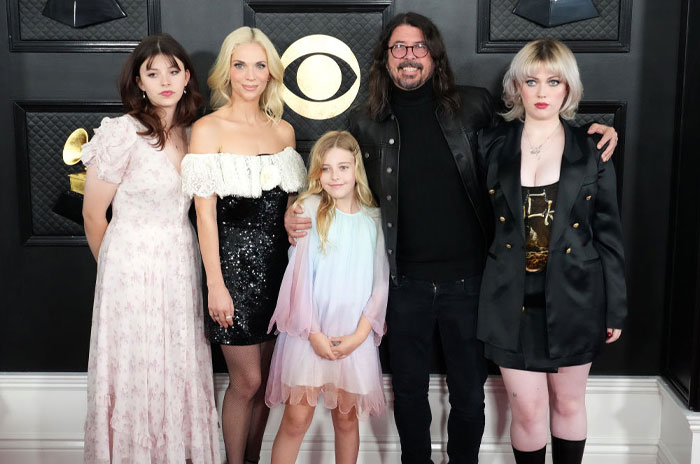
[175, 138]
[537, 150]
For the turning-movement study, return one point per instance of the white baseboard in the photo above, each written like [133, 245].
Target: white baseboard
[631, 420]
[679, 440]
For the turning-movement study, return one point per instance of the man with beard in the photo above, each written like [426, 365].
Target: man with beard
[418, 123]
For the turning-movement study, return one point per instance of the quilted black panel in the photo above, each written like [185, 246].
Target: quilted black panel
[35, 26]
[48, 175]
[601, 118]
[358, 30]
[506, 26]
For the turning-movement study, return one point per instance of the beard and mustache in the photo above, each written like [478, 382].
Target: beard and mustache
[408, 84]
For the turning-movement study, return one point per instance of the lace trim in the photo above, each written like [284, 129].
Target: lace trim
[226, 174]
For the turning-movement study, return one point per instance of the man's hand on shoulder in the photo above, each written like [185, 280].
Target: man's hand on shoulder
[295, 225]
[609, 136]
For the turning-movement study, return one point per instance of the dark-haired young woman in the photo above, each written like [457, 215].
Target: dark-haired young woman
[150, 389]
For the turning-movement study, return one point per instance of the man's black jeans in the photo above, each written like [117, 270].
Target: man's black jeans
[414, 308]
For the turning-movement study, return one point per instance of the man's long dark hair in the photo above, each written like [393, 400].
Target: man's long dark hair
[141, 108]
[380, 81]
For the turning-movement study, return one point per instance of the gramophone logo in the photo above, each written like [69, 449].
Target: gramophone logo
[70, 204]
[323, 66]
[72, 152]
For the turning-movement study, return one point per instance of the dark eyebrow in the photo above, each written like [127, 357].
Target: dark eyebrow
[404, 43]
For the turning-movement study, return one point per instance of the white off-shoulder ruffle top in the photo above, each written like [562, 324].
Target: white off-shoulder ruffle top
[227, 174]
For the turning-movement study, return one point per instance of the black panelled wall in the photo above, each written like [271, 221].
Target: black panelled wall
[46, 289]
[681, 362]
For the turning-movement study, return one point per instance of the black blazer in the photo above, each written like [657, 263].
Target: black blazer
[585, 287]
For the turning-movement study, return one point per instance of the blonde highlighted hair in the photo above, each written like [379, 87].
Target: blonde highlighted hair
[326, 209]
[551, 55]
[220, 75]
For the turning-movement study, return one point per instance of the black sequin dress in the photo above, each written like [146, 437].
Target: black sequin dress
[253, 253]
[253, 193]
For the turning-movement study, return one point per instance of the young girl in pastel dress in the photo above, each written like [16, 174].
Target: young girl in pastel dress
[331, 306]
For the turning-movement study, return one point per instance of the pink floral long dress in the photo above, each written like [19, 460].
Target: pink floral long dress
[150, 386]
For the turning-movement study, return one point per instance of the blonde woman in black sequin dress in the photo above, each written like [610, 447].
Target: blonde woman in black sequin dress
[241, 169]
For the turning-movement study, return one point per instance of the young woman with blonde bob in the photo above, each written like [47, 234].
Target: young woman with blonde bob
[241, 169]
[553, 290]
[331, 307]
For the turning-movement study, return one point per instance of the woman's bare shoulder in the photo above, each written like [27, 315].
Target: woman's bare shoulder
[204, 124]
[209, 122]
[206, 134]
[286, 133]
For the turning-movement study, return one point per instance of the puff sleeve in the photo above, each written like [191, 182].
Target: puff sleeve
[110, 148]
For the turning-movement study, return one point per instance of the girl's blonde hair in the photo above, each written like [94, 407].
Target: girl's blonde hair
[326, 209]
[551, 55]
[219, 80]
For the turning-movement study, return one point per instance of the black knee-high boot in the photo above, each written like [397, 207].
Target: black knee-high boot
[530, 457]
[567, 451]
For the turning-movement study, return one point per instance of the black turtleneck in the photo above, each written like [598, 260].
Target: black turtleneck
[438, 231]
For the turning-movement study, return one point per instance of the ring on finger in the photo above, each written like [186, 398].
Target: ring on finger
[229, 317]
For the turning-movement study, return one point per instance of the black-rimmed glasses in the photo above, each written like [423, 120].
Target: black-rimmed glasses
[400, 50]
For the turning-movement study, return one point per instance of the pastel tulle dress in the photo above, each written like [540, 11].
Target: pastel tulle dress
[328, 292]
[150, 387]
[252, 198]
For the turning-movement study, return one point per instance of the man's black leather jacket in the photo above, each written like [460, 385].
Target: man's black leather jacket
[380, 143]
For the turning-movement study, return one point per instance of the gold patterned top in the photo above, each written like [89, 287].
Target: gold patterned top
[538, 215]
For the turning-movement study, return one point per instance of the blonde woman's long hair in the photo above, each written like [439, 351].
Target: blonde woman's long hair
[551, 55]
[326, 209]
[219, 80]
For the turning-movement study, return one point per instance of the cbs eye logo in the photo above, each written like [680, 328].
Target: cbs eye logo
[319, 76]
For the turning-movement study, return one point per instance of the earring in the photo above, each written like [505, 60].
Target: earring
[184, 91]
[143, 95]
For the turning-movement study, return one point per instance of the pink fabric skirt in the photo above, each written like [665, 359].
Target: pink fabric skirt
[298, 375]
